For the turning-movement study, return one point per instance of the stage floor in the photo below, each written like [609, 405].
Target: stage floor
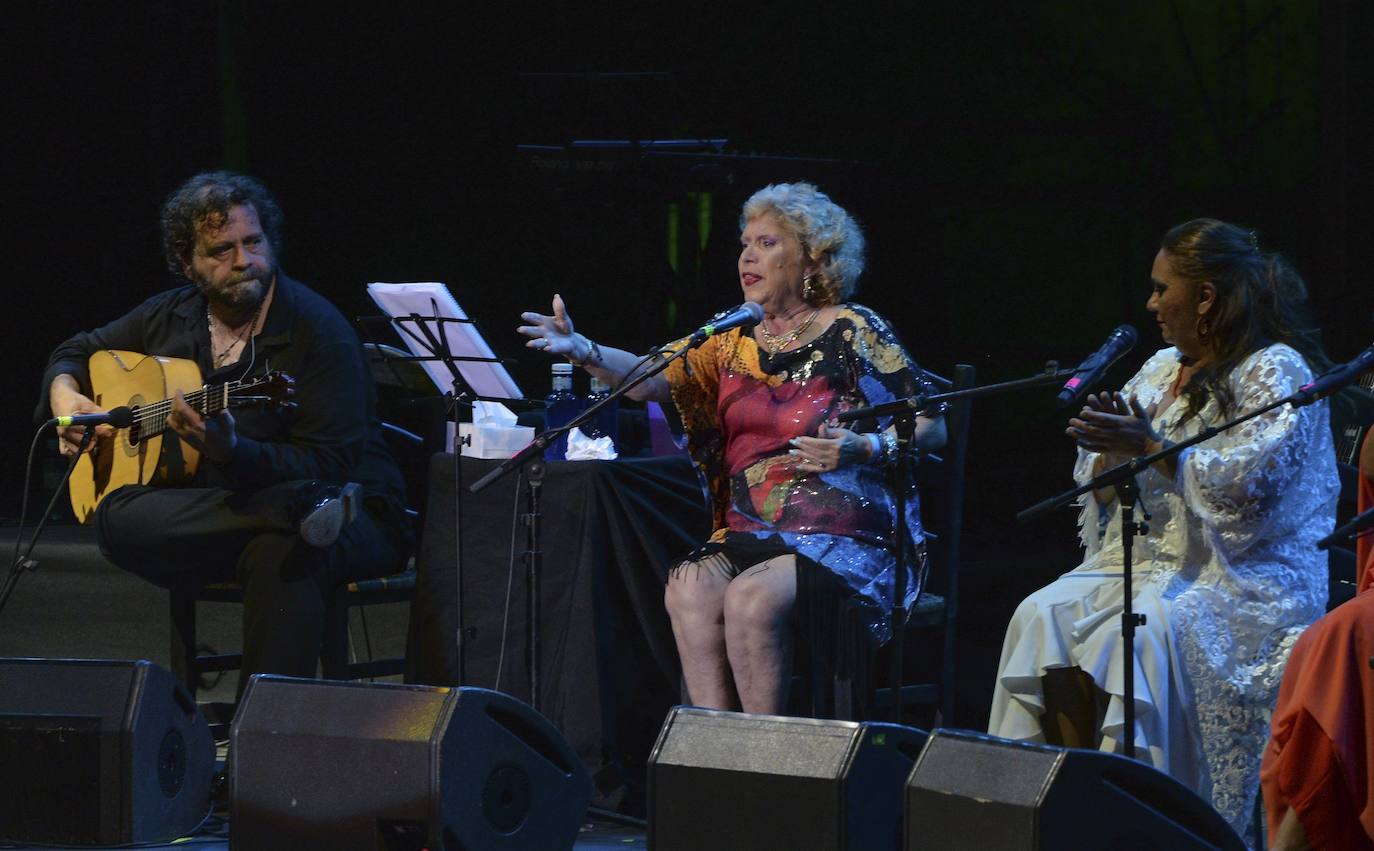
[595, 836]
[79, 605]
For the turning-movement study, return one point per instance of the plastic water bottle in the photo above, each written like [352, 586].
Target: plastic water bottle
[560, 406]
[607, 420]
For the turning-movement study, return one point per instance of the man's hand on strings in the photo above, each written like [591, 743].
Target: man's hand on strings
[66, 402]
[214, 437]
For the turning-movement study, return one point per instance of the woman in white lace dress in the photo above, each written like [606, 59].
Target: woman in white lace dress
[1228, 575]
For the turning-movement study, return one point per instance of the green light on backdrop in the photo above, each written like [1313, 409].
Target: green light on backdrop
[703, 219]
[674, 234]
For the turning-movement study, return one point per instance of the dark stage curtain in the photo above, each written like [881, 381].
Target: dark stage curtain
[609, 532]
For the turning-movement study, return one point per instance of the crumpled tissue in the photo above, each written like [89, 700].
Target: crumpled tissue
[584, 448]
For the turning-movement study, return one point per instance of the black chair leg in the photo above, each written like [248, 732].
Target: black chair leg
[334, 661]
[182, 608]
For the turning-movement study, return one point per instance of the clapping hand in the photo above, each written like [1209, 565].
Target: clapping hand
[1117, 427]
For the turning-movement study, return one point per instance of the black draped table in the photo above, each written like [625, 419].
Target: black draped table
[608, 666]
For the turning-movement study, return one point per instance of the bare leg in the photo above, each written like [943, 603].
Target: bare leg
[1071, 716]
[695, 599]
[758, 635]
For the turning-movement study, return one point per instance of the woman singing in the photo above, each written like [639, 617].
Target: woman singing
[789, 486]
[1229, 574]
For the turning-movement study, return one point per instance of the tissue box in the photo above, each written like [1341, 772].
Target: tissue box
[492, 441]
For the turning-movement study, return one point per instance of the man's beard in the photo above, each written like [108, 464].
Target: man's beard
[236, 296]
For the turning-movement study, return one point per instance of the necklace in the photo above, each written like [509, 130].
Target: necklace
[777, 342]
[218, 359]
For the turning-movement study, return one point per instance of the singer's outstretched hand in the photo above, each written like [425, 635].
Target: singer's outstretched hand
[1115, 426]
[552, 334]
[556, 336]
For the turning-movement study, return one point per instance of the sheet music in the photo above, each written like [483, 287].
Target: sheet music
[463, 339]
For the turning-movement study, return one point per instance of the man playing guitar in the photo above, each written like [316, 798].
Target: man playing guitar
[258, 498]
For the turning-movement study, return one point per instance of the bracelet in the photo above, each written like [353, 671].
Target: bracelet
[885, 449]
[593, 350]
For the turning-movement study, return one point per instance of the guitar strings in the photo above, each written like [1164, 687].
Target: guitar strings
[208, 401]
[152, 419]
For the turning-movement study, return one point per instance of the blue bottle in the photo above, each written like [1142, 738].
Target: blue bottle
[607, 421]
[560, 406]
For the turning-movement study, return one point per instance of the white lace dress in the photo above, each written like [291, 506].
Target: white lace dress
[1227, 578]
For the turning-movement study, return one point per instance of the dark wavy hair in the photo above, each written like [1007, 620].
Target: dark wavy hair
[1260, 300]
[205, 201]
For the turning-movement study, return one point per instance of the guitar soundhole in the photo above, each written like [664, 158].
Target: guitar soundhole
[133, 435]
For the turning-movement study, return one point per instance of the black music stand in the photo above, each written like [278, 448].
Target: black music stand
[427, 334]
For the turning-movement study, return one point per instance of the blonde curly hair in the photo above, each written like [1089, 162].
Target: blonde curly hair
[829, 236]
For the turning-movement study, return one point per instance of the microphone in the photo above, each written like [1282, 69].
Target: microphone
[1358, 524]
[1343, 375]
[1090, 371]
[121, 417]
[747, 315]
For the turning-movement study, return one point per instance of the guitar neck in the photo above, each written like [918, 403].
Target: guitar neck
[207, 401]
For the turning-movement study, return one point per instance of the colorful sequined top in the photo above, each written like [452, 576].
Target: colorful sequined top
[740, 406]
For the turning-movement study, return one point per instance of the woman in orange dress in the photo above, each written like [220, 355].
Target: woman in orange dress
[1318, 772]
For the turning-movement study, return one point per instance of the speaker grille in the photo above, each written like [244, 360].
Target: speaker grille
[55, 794]
[793, 747]
[731, 780]
[972, 768]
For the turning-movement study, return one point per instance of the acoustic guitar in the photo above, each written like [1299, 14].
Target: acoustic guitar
[141, 454]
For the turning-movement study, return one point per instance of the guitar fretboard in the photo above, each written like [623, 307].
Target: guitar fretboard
[207, 401]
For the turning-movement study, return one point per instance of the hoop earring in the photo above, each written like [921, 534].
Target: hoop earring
[1203, 328]
[814, 291]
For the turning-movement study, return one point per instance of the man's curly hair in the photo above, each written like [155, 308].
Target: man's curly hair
[205, 201]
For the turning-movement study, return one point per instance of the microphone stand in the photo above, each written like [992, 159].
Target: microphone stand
[26, 562]
[1122, 478]
[911, 404]
[903, 412]
[531, 458]
[1357, 526]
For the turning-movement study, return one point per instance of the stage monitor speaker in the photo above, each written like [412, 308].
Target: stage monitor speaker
[316, 764]
[96, 752]
[970, 790]
[724, 780]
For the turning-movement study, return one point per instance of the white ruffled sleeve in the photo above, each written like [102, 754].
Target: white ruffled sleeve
[1236, 482]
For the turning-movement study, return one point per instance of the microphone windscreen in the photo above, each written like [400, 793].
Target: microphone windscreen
[121, 417]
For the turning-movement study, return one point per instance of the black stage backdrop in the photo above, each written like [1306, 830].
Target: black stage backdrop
[1014, 165]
